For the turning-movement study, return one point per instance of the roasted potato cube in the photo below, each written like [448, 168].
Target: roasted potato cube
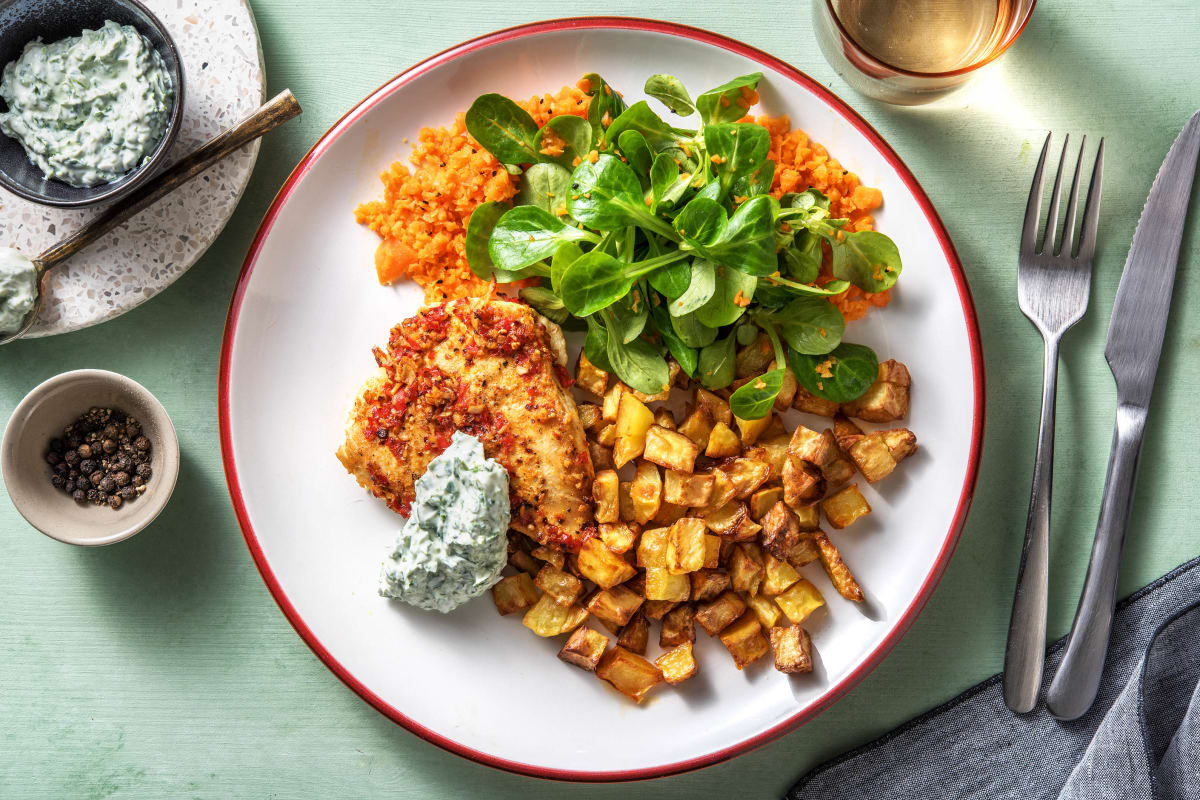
[590, 415]
[900, 441]
[589, 377]
[602, 566]
[845, 432]
[722, 442]
[687, 489]
[805, 552]
[744, 640]
[725, 520]
[652, 548]
[811, 404]
[524, 562]
[663, 418]
[747, 531]
[617, 536]
[762, 501]
[778, 575]
[808, 516]
[607, 435]
[678, 626]
[717, 407]
[697, 426]
[635, 635]
[745, 570]
[548, 618]
[629, 673]
[751, 429]
[808, 445]
[764, 608]
[712, 551]
[718, 614]
[781, 531]
[802, 483]
[670, 449]
[616, 605]
[747, 475]
[685, 546]
[612, 402]
[872, 457]
[584, 648]
[837, 471]
[657, 609]
[625, 501]
[633, 420]
[677, 664]
[646, 492]
[551, 555]
[605, 491]
[564, 587]
[662, 584]
[787, 392]
[835, 567]
[886, 399]
[773, 453]
[724, 490]
[708, 583]
[668, 513]
[845, 506]
[601, 456]
[514, 593]
[754, 357]
[800, 600]
[793, 649]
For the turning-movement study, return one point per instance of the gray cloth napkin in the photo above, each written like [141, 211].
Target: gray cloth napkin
[1140, 740]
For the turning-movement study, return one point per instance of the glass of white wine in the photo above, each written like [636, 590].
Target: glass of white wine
[914, 51]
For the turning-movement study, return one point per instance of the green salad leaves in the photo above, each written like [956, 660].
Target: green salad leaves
[663, 238]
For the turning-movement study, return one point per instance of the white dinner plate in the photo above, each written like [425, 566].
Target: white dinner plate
[307, 311]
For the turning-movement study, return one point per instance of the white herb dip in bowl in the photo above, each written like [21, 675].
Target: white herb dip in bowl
[91, 98]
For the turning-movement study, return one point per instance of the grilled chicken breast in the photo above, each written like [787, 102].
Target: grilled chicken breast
[487, 368]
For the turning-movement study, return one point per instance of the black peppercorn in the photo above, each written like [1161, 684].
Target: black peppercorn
[141, 443]
[57, 481]
[73, 442]
[143, 471]
[110, 431]
[108, 484]
[92, 494]
[84, 450]
[138, 480]
[96, 477]
[61, 469]
[128, 493]
[68, 485]
[87, 466]
[114, 501]
[71, 457]
[132, 429]
[108, 446]
[53, 457]
[79, 496]
[121, 478]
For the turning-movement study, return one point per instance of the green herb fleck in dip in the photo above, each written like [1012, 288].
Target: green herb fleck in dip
[90, 108]
[18, 289]
[453, 546]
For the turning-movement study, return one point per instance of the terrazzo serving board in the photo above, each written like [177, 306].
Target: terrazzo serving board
[223, 82]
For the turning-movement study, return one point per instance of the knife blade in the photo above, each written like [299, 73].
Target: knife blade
[1139, 317]
[1135, 338]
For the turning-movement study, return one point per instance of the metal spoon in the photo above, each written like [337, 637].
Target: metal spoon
[275, 112]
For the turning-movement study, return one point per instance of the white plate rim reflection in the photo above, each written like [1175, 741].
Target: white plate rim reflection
[854, 126]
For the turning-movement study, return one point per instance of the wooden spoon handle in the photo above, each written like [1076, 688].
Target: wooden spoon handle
[274, 113]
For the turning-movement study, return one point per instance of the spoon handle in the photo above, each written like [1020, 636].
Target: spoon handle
[275, 112]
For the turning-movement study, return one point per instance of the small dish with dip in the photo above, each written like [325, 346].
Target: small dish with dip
[72, 143]
[37, 429]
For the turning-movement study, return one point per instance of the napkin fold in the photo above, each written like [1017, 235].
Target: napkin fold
[1140, 740]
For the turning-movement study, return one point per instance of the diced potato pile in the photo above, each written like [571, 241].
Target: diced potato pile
[705, 520]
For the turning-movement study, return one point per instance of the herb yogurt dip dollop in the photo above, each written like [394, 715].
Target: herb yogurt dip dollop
[18, 289]
[89, 108]
[453, 546]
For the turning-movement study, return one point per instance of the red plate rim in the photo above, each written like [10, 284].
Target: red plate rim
[852, 117]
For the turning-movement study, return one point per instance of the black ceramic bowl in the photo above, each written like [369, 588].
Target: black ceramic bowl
[22, 21]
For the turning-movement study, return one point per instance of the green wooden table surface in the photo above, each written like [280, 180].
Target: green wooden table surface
[161, 666]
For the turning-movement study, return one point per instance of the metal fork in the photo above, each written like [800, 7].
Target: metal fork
[1052, 288]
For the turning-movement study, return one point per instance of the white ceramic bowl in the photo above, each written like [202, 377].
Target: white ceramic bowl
[43, 415]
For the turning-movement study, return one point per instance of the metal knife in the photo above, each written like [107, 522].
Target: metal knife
[1135, 337]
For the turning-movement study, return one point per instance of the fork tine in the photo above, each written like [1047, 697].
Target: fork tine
[1052, 215]
[1091, 214]
[1068, 240]
[1033, 209]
